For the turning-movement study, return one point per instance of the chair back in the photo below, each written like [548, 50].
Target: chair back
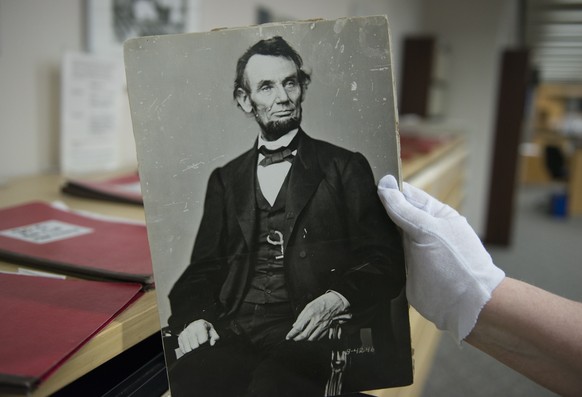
[555, 162]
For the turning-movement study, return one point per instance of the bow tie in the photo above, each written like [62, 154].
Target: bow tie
[276, 156]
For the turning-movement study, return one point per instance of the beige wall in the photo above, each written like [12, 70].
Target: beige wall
[477, 32]
[34, 35]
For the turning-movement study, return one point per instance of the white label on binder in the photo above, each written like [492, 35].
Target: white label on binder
[46, 232]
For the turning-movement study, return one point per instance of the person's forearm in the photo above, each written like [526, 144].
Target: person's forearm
[534, 332]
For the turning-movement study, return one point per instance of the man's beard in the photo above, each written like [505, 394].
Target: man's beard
[274, 130]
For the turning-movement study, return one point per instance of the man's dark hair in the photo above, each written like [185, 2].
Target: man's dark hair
[274, 46]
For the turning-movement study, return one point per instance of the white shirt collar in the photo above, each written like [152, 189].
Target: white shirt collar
[285, 140]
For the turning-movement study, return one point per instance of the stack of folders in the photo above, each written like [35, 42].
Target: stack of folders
[45, 320]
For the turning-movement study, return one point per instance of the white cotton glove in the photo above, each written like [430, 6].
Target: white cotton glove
[450, 274]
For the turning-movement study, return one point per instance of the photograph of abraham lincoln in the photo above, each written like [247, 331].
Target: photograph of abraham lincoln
[294, 285]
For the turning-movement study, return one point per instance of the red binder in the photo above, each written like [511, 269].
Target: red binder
[124, 189]
[48, 238]
[45, 320]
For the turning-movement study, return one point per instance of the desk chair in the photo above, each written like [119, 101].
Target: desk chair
[555, 161]
[556, 165]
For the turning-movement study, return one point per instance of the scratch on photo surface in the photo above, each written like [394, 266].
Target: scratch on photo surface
[158, 106]
[380, 68]
[153, 104]
[339, 25]
[194, 166]
[184, 203]
[165, 100]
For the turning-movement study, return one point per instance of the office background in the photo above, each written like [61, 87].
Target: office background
[35, 35]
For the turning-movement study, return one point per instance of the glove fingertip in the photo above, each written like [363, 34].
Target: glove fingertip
[388, 182]
[404, 214]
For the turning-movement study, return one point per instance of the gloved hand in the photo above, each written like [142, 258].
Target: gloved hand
[450, 274]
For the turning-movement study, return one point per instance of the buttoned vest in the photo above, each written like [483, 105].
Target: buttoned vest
[268, 280]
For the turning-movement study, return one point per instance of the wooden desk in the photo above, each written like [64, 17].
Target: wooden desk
[136, 323]
[441, 173]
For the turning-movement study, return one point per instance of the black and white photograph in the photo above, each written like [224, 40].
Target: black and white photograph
[111, 22]
[277, 270]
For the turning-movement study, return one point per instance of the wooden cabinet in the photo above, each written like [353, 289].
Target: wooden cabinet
[424, 77]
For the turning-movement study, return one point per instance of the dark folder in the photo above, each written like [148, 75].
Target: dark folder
[123, 189]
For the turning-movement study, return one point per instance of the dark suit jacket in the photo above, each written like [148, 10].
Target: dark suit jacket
[339, 237]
